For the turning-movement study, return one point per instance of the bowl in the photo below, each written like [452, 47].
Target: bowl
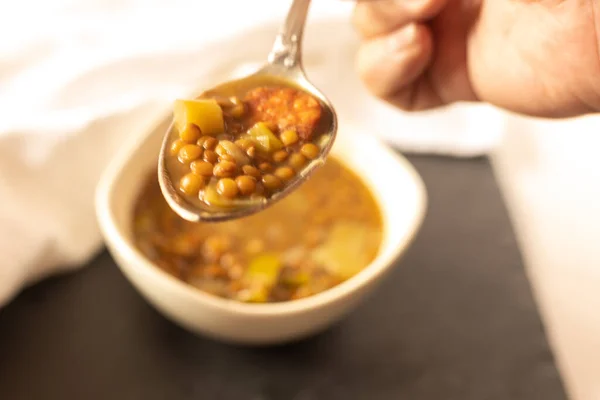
[394, 183]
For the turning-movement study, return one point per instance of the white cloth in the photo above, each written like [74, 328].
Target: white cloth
[78, 75]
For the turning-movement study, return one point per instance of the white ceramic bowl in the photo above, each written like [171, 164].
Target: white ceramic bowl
[395, 184]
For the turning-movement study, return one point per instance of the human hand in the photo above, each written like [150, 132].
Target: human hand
[540, 58]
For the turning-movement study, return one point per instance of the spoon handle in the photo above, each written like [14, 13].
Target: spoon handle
[287, 49]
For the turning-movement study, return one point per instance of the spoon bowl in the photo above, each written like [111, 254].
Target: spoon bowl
[284, 64]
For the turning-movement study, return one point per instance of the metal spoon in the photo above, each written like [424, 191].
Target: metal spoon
[284, 62]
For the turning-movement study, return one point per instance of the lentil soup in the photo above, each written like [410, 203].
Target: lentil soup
[242, 142]
[323, 233]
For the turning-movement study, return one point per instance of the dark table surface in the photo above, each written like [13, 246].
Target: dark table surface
[455, 321]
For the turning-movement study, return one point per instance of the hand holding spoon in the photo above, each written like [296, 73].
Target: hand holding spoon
[246, 144]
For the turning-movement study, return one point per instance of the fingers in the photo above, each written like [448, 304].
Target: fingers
[397, 49]
[390, 63]
[376, 17]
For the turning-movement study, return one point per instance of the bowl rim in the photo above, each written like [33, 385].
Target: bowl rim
[116, 241]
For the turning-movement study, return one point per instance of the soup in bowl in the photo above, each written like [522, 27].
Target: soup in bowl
[320, 235]
[282, 274]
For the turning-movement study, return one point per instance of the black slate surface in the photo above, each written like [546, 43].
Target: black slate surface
[455, 321]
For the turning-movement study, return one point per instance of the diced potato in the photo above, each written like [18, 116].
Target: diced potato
[345, 252]
[263, 270]
[263, 138]
[204, 113]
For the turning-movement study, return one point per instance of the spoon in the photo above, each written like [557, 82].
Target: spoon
[283, 62]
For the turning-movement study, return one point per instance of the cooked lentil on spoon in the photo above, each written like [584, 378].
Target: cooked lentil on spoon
[243, 142]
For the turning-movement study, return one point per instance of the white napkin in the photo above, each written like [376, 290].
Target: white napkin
[77, 76]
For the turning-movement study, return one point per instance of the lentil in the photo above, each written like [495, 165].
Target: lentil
[310, 151]
[245, 144]
[202, 168]
[191, 184]
[280, 156]
[289, 137]
[190, 134]
[271, 182]
[224, 169]
[250, 170]
[210, 156]
[176, 146]
[209, 143]
[246, 184]
[227, 188]
[189, 153]
[265, 167]
[227, 157]
[285, 173]
[238, 110]
[297, 161]
[215, 246]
